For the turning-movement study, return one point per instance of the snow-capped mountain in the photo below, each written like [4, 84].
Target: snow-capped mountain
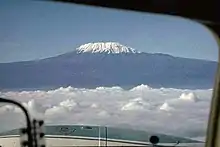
[108, 64]
[105, 47]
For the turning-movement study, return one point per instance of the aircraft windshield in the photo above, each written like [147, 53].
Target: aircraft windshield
[77, 65]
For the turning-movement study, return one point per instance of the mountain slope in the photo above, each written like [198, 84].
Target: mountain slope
[91, 69]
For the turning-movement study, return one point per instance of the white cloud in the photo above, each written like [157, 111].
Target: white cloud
[135, 104]
[141, 88]
[189, 97]
[165, 107]
[94, 105]
[69, 104]
[180, 112]
[103, 113]
[55, 110]
[7, 108]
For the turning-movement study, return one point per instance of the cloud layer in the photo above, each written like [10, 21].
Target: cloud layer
[179, 112]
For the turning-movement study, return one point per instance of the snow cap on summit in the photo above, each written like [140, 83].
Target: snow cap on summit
[105, 47]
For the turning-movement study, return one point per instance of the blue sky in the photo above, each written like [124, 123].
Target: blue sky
[34, 30]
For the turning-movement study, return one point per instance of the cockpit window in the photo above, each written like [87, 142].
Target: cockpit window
[106, 73]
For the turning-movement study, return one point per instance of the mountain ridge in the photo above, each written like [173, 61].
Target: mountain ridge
[102, 69]
[97, 48]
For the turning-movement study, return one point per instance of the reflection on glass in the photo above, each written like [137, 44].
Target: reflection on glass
[74, 65]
